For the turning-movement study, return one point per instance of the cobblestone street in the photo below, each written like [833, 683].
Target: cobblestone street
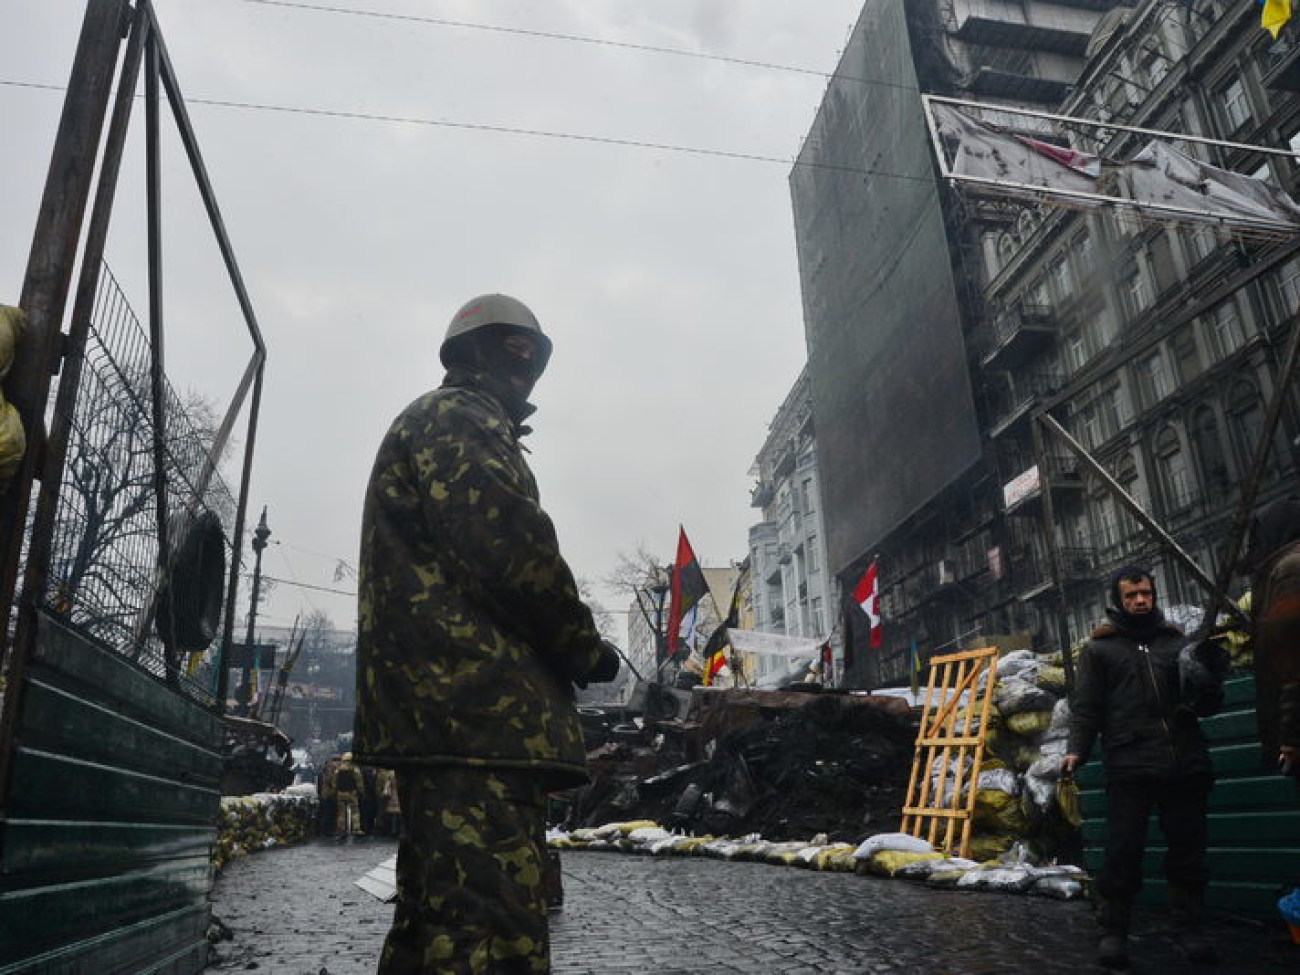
[295, 911]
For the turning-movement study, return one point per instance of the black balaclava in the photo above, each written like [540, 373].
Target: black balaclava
[483, 353]
[1143, 625]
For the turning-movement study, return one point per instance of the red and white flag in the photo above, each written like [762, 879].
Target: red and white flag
[867, 595]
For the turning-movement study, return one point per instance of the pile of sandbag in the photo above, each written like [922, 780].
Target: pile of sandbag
[1017, 794]
[261, 821]
[646, 837]
[1015, 871]
[885, 855]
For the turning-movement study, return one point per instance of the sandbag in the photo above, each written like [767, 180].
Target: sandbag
[989, 846]
[999, 812]
[1019, 663]
[1030, 723]
[13, 443]
[1058, 886]
[999, 777]
[887, 863]
[1005, 878]
[892, 841]
[13, 322]
[1014, 695]
[1051, 679]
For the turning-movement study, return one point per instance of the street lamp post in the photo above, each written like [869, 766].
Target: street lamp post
[244, 693]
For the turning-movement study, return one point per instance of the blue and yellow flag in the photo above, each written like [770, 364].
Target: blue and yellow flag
[1275, 16]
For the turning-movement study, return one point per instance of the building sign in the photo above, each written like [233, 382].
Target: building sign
[1020, 487]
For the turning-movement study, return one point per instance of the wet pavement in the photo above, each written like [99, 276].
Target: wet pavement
[296, 911]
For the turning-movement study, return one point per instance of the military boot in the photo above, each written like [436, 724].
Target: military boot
[1113, 917]
[1186, 908]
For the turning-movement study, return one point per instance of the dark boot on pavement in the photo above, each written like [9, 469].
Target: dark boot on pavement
[1112, 950]
[1113, 917]
[1186, 906]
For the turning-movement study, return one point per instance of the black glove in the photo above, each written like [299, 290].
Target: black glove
[606, 668]
[1214, 657]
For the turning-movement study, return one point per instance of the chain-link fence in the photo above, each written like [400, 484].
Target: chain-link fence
[105, 574]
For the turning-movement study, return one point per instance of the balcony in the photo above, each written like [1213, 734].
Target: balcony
[1016, 336]
[1031, 574]
[1283, 71]
[995, 32]
[1021, 493]
[994, 83]
[1012, 408]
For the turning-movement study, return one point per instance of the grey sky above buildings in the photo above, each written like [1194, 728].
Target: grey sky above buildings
[667, 279]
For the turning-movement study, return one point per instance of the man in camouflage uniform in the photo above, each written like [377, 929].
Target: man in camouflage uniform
[471, 636]
[348, 788]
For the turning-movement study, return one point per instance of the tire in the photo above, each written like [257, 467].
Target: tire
[193, 586]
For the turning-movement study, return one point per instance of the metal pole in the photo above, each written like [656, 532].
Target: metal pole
[1140, 514]
[1053, 552]
[244, 694]
[49, 269]
[1250, 488]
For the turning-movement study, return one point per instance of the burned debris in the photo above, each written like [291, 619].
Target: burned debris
[785, 764]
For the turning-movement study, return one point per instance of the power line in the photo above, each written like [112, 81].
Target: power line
[304, 585]
[548, 35]
[515, 130]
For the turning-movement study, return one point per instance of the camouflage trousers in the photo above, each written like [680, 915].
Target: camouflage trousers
[347, 819]
[470, 895]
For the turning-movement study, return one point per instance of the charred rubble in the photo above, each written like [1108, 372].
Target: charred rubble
[784, 764]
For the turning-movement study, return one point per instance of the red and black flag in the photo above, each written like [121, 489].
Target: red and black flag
[715, 651]
[688, 588]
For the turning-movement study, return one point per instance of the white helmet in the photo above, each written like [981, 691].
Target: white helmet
[495, 310]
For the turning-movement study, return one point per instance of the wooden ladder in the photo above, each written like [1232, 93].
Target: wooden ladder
[950, 745]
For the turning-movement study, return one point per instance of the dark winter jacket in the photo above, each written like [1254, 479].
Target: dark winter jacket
[470, 630]
[1128, 691]
[1275, 605]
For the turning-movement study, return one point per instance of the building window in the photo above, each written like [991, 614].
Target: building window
[815, 614]
[1112, 409]
[1187, 357]
[814, 560]
[1209, 451]
[1085, 255]
[1204, 241]
[1075, 350]
[1246, 422]
[1062, 282]
[1106, 522]
[1089, 427]
[1155, 65]
[1226, 330]
[1137, 294]
[1289, 285]
[1175, 479]
[808, 495]
[1153, 380]
[1235, 107]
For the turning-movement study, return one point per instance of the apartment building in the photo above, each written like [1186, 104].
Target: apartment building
[940, 324]
[794, 591]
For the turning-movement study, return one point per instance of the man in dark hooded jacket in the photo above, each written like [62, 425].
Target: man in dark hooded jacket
[1273, 557]
[471, 637]
[1132, 692]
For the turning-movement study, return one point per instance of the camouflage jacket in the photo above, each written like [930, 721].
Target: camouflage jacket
[470, 629]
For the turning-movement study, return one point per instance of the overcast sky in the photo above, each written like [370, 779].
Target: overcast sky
[668, 280]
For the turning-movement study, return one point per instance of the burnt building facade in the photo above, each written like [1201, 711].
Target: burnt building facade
[940, 325]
